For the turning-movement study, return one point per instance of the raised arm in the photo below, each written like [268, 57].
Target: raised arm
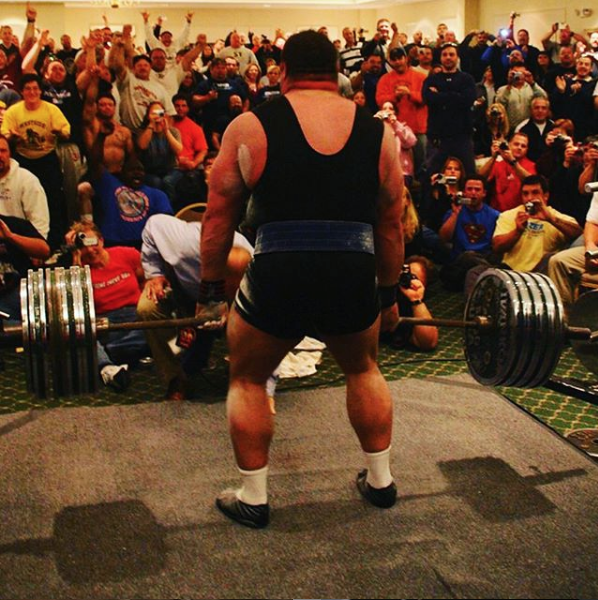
[28, 65]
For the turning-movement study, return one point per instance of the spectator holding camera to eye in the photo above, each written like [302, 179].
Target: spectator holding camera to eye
[527, 233]
[517, 95]
[507, 167]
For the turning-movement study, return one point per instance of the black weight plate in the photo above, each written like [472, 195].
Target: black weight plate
[584, 313]
[524, 349]
[489, 352]
[554, 335]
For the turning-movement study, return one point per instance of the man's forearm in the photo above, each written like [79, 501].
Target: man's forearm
[504, 243]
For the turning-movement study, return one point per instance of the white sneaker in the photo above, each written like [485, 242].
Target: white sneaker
[116, 376]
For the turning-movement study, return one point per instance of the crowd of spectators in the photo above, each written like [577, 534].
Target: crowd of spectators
[497, 137]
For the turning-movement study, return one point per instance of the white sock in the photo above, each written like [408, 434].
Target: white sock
[255, 486]
[378, 464]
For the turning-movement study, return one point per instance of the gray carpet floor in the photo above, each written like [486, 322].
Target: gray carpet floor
[118, 503]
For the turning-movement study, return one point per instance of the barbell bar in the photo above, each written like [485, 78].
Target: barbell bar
[514, 330]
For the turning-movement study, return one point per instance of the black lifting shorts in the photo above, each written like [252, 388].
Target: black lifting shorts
[293, 294]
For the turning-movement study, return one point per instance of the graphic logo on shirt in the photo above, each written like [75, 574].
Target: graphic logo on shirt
[475, 232]
[535, 227]
[132, 204]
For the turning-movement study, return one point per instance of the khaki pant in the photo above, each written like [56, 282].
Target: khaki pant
[566, 269]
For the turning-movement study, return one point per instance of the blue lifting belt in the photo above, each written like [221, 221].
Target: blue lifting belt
[315, 236]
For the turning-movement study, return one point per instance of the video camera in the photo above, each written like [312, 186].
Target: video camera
[81, 241]
[461, 200]
[445, 179]
[591, 188]
[406, 277]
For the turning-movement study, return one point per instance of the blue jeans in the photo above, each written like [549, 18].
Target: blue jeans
[121, 346]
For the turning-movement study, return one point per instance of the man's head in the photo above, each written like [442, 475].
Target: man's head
[235, 40]
[31, 90]
[66, 42]
[565, 35]
[374, 64]
[323, 30]
[567, 57]
[449, 58]
[232, 66]
[166, 38]
[418, 36]
[218, 69]
[55, 72]
[475, 189]
[349, 36]
[181, 106]
[106, 107]
[516, 58]
[398, 60]
[544, 60]
[523, 37]
[158, 60]
[4, 156]
[583, 67]
[540, 109]
[425, 56]
[383, 29]
[518, 145]
[235, 105]
[142, 67]
[441, 30]
[6, 35]
[534, 189]
[309, 56]
[133, 173]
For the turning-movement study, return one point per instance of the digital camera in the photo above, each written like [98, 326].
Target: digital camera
[591, 188]
[504, 146]
[383, 114]
[530, 208]
[159, 112]
[495, 112]
[461, 200]
[446, 179]
[406, 277]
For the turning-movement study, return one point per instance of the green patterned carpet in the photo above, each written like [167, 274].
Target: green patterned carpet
[562, 413]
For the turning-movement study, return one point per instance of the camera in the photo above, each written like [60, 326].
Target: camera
[591, 254]
[591, 188]
[495, 112]
[383, 114]
[517, 76]
[159, 112]
[560, 139]
[461, 200]
[406, 277]
[445, 179]
[83, 241]
[530, 208]
[578, 151]
[504, 146]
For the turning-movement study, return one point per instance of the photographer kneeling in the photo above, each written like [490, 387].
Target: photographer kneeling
[117, 277]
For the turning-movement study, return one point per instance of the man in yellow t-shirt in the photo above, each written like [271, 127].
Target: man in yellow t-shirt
[528, 232]
[34, 126]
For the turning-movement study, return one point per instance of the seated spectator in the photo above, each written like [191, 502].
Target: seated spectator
[507, 168]
[525, 235]
[121, 205]
[411, 300]
[21, 193]
[468, 227]
[445, 186]
[171, 263]
[116, 277]
[494, 127]
[159, 147]
[190, 186]
[359, 99]
[567, 267]
[20, 244]
[537, 127]
[272, 89]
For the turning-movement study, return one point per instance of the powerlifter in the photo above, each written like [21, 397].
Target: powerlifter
[326, 187]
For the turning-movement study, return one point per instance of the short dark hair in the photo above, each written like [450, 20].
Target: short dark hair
[476, 177]
[536, 180]
[28, 78]
[178, 97]
[311, 54]
[398, 52]
[106, 95]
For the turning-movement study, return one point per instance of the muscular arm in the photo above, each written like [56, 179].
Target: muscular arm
[238, 166]
[388, 232]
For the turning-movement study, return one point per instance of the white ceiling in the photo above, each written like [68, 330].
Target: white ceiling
[232, 4]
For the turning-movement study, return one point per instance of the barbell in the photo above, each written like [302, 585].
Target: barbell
[514, 330]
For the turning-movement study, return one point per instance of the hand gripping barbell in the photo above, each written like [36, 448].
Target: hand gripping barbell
[514, 324]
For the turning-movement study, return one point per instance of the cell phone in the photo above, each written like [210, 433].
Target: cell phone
[591, 254]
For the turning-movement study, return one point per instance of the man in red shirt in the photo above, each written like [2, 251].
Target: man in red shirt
[117, 279]
[403, 87]
[508, 167]
[195, 149]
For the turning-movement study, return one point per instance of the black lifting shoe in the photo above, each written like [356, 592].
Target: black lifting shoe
[380, 497]
[256, 517]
